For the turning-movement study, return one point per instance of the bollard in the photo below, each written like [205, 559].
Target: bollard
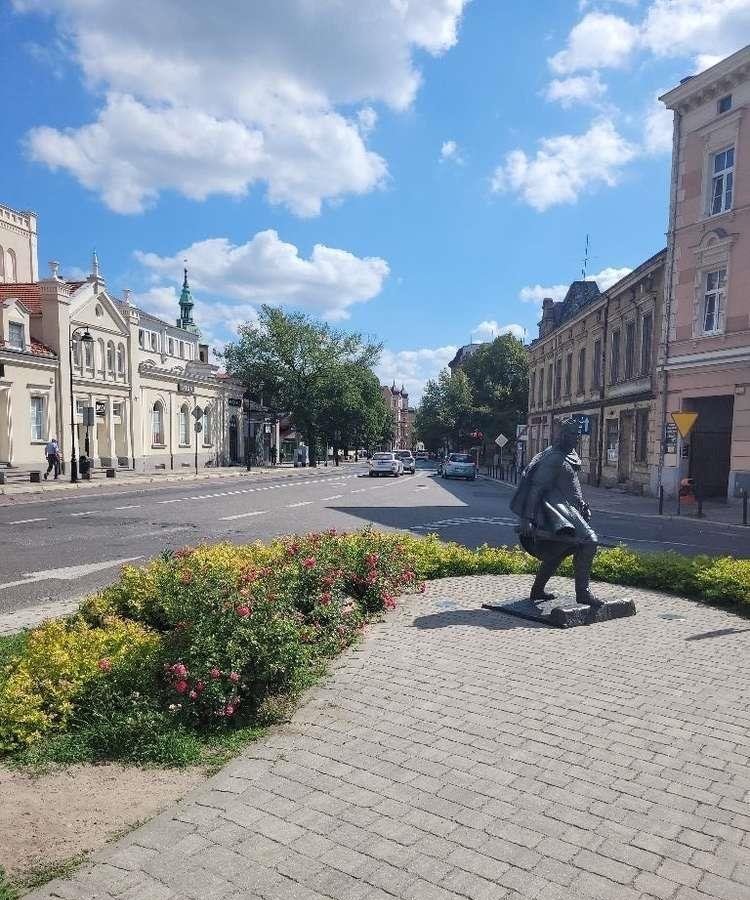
[699, 512]
[2, 477]
[661, 499]
[35, 477]
[110, 473]
[744, 506]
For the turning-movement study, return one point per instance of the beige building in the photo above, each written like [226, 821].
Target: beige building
[704, 355]
[402, 415]
[143, 378]
[595, 356]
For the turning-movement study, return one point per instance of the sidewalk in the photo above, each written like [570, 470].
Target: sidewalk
[614, 500]
[459, 753]
[128, 476]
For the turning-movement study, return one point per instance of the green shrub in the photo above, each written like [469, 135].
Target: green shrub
[7, 891]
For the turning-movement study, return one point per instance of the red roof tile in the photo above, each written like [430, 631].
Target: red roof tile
[29, 294]
[36, 348]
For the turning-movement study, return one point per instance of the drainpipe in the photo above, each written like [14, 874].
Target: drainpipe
[603, 371]
[664, 349]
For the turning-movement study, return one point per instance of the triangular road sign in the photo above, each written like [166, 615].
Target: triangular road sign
[684, 422]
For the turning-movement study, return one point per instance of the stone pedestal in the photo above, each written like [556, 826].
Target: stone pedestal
[564, 612]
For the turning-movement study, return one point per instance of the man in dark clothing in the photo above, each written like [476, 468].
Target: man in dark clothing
[52, 452]
[555, 516]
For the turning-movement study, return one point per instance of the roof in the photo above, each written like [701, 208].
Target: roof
[580, 294]
[35, 348]
[722, 75]
[463, 353]
[30, 293]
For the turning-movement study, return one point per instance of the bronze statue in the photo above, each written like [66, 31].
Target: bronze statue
[555, 516]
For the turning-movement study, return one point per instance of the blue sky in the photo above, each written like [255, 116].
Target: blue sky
[423, 170]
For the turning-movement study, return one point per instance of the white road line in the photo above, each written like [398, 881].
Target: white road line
[358, 491]
[67, 573]
[133, 506]
[89, 512]
[334, 497]
[303, 503]
[255, 512]
[26, 521]
[176, 500]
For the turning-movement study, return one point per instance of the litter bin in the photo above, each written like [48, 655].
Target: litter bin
[84, 466]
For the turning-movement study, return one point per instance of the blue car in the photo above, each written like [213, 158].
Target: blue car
[460, 465]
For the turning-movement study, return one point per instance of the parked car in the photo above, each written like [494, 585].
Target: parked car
[407, 461]
[460, 465]
[421, 454]
[386, 463]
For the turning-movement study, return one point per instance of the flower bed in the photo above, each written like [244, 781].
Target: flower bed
[211, 640]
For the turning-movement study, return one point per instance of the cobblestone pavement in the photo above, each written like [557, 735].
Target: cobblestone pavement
[462, 753]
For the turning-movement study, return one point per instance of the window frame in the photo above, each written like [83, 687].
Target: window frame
[630, 344]
[157, 437]
[581, 374]
[718, 295]
[647, 340]
[183, 425]
[32, 418]
[614, 356]
[596, 369]
[721, 179]
[17, 345]
[727, 107]
[208, 426]
[640, 448]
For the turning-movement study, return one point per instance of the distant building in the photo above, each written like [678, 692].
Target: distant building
[596, 356]
[704, 356]
[462, 354]
[402, 416]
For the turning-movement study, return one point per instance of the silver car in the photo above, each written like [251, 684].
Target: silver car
[460, 465]
[386, 463]
[407, 460]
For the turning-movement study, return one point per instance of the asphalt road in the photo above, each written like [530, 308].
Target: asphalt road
[71, 545]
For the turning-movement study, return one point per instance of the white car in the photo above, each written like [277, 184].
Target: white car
[460, 465]
[386, 463]
[407, 460]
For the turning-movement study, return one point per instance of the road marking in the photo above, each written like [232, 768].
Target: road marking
[358, 491]
[89, 512]
[26, 521]
[303, 503]
[255, 512]
[334, 497]
[134, 506]
[177, 500]
[67, 573]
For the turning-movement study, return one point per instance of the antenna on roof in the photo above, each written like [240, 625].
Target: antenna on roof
[585, 259]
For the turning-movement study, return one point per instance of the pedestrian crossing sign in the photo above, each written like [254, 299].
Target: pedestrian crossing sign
[684, 422]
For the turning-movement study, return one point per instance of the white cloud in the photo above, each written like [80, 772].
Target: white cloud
[450, 151]
[265, 269]
[604, 279]
[565, 166]
[489, 329]
[599, 40]
[693, 27]
[658, 126]
[205, 104]
[413, 368]
[576, 89]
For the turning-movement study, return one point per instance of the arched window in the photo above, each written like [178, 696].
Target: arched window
[76, 352]
[11, 273]
[208, 427]
[121, 360]
[101, 357]
[157, 424]
[184, 425]
[111, 358]
[88, 354]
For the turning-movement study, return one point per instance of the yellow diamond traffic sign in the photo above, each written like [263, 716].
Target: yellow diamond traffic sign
[684, 422]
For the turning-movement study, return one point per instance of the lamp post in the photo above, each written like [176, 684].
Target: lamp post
[85, 340]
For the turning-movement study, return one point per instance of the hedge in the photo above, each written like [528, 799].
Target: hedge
[208, 640]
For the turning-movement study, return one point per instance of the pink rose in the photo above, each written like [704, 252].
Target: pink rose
[193, 695]
[234, 677]
[325, 599]
[243, 611]
[309, 563]
[180, 670]
[200, 686]
[181, 687]
[105, 665]
[229, 710]
[215, 673]
[390, 601]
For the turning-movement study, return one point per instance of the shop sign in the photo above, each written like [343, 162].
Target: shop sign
[101, 408]
[670, 437]
[234, 401]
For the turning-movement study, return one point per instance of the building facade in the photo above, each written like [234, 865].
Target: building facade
[704, 354]
[402, 414]
[142, 376]
[596, 356]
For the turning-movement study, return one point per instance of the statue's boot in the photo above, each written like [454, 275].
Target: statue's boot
[582, 560]
[538, 594]
[586, 598]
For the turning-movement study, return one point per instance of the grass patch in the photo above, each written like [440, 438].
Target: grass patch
[37, 876]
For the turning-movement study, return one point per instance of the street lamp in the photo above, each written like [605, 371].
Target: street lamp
[85, 340]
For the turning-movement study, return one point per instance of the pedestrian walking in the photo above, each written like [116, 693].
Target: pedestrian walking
[52, 452]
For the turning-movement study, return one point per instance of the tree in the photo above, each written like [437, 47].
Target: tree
[353, 412]
[291, 361]
[445, 413]
[499, 376]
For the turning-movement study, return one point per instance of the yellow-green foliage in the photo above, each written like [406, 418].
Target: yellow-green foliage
[59, 659]
[725, 579]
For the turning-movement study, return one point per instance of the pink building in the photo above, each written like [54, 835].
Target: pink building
[704, 354]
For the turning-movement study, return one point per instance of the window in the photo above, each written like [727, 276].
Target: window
[647, 333]
[532, 388]
[141, 338]
[558, 378]
[120, 359]
[101, 356]
[724, 104]
[540, 389]
[117, 409]
[182, 349]
[713, 300]
[157, 425]
[549, 386]
[154, 341]
[10, 270]
[596, 373]
[80, 405]
[171, 346]
[184, 425]
[581, 370]
[568, 374]
[614, 362]
[16, 335]
[208, 426]
[88, 354]
[111, 358]
[629, 349]
[76, 352]
[722, 181]
[37, 418]
[641, 435]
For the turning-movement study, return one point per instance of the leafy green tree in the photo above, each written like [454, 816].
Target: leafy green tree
[353, 412]
[446, 412]
[290, 361]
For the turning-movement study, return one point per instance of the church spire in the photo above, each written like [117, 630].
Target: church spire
[186, 306]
